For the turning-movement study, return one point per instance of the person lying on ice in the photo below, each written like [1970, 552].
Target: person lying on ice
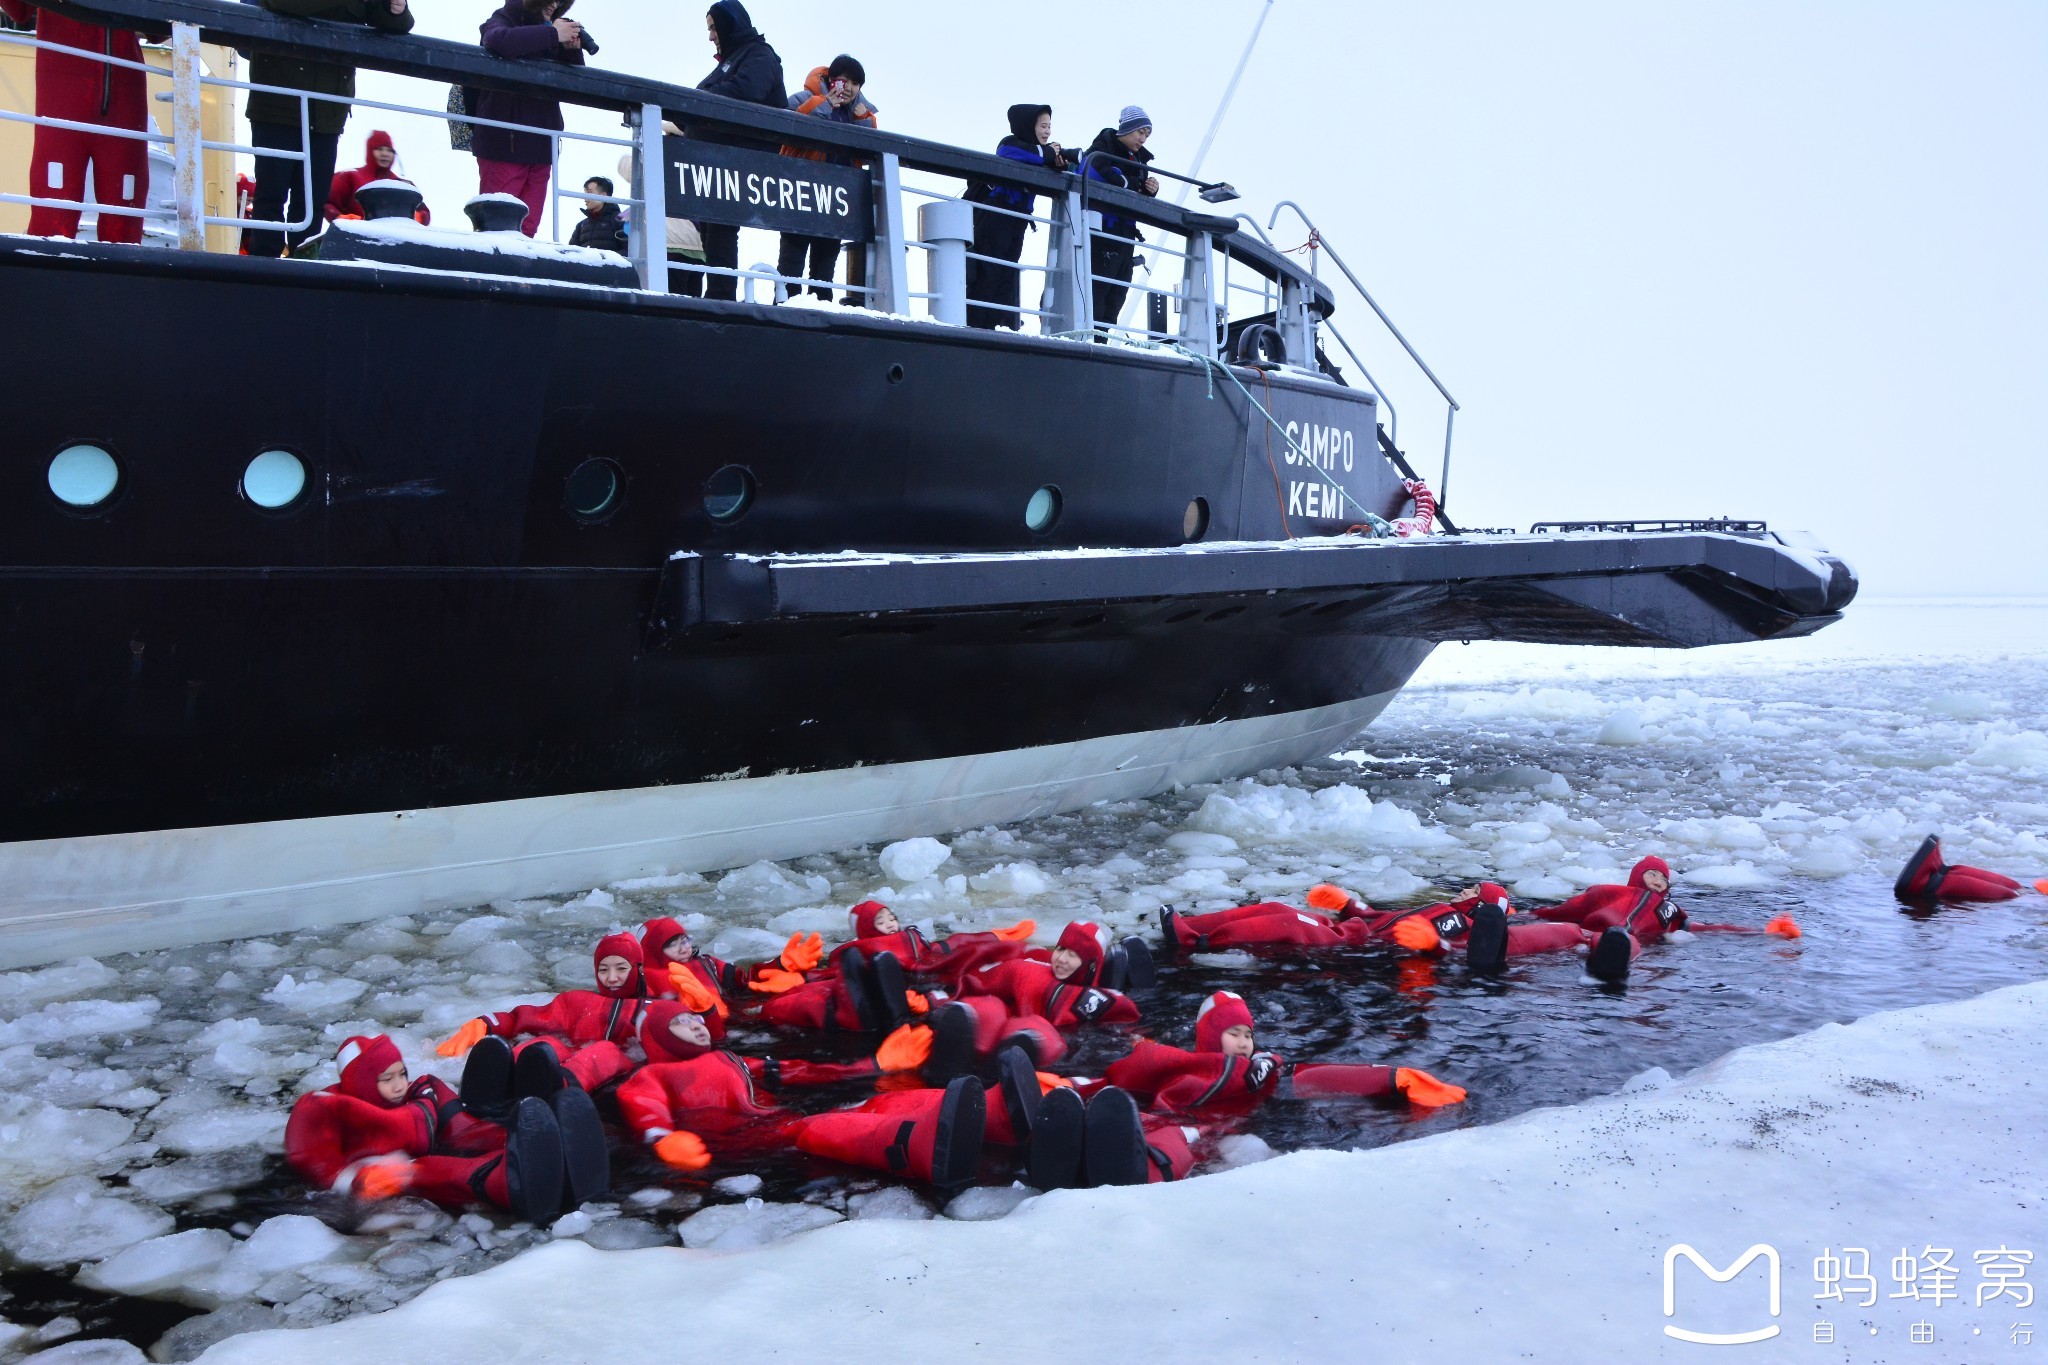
[584, 1031]
[1927, 877]
[1621, 919]
[377, 1133]
[1027, 1003]
[690, 1088]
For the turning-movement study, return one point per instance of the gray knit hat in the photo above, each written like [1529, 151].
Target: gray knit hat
[1132, 119]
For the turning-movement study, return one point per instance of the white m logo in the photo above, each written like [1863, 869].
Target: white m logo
[1770, 1255]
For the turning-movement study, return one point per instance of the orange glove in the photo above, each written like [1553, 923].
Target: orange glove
[801, 954]
[1047, 1083]
[1327, 897]
[1426, 1090]
[1417, 934]
[384, 1180]
[905, 1049]
[769, 980]
[1018, 932]
[695, 996]
[684, 1151]
[2042, 886]
[918, 1004]
[1783, 927]
[466, 1037]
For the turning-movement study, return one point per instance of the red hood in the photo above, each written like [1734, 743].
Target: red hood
[1091, 942]
[863, 915]
[380, 138]
[621, 945]
[661, 1045]
[1221, 1011]
[1649, 864]
[655, 936]
[363, 1060]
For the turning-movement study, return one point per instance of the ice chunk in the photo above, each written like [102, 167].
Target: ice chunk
[71, 1020]
[1012, 879]
[1622, 728]
[21, 989]
[1829, 856]
[223, 1129]
[1195, 842]
[2026, 751]
[477, 931]
[985, 1202]
[1728, 875]
[98, 1351]
[1967, 705]
[892, 1202]
[58, 1328]
[190, 1338]
[40, 1142]
[1656, 1078]
[764, 885]
[149, 1269]
[627, 1234]
[1251, 812]
[731, 1227]
[287, 1242]
[194, 1176]
[571, 1225]
[1243, 1149]
[323, 996]
[503, 958]
[741, 1185]
[912, 860]
[77, 1220]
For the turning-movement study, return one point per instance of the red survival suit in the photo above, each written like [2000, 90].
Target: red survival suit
[1424, 928]
[1927, 877]
[341, 191]
[1646, 915]
[587, 1029]
[336, 1136]
[706, 1090]
[84, 90]
[946, 960]
[1023, 996]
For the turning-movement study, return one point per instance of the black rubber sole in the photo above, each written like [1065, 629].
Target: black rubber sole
[486, 1089]
[586, 1156]
[1017, 1080]
[963, 1118]
[1139, 970]
[1169, 927]
[537, 1073]
[1115, 1140]
[1609, 960]
[1115, 972]
[891, 1008]
[859, 985]
[1027, 1042]
[1486, 947]
[1058, 1142]
[533, 1162]
[952, 1053]
[1929, 850]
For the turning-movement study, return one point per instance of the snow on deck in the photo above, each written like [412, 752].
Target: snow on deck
[1542, 1238]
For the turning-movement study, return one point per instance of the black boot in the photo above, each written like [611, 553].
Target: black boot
[1058, 1139]
[859, 984]
[1169, 920]
[1017, 1078]
[1486, 947]
[956, 1151]
[537, 1072]
[1139, 970]
[1115, 1140]
[1927, 856]
[1116, 970]
[487, 1080]
[586, 1156]
[952, 1053]
[1610, 957]
[886, 975]
[533, 1162]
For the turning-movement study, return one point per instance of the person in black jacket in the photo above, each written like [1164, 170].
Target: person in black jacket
[602, 226]
[1114, 245]
[992, 288]
[747, 70]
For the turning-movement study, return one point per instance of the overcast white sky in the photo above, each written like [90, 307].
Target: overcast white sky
[1785, 259]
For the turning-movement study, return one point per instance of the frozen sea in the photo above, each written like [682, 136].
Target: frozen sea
[142, 1099]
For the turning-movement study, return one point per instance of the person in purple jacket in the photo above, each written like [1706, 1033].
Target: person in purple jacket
[509, 161]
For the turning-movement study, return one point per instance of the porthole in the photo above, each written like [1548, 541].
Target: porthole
[729, 493]
[84, 477]
[593, 489]
[274, 480]
[1043, 511]
[1194, 523]
[895, 374]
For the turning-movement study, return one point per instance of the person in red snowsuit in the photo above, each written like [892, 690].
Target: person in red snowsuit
[1927, 877]
[377, 1133]
[585, 1032]
[1476, 922]
[1621, 919]
[86, 90]
[690, 1088]
[380, 158]
[1026, 1003]
[710, 986]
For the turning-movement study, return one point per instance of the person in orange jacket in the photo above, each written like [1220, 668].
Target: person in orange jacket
[86, 89]
[836, 93]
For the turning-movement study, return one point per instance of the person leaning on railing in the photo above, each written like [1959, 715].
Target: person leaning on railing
[1114, 245]
[509, 161]
[994, 289]
[83, 90]
[603, 227]
[274, 119]
[837, 94]
[748, 70]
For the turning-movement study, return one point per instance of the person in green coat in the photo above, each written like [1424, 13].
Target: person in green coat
[274, 119]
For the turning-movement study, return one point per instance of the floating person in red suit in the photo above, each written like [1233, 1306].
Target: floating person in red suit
[378, 1133]
[580, 1034]
[1027, 1003]
[86, 89]
[1622, 919]
[1926, 877]
[690, 1091]
[678, 970]
[1477, 921]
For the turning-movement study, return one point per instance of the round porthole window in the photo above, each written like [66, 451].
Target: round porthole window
[593, 490]
[84, 477]
[1194, 523]
[1043, 510]
[729, 493]
[275, 479]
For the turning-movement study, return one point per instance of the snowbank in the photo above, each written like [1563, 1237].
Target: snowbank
[1543, 1238]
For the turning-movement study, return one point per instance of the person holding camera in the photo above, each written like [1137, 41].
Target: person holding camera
[509, 161]
[835, 93]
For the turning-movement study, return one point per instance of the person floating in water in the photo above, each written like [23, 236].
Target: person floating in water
[1622, 919]
[1476, 922]
[1927, 877]
[580, 1033]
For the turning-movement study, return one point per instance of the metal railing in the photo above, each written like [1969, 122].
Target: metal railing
[17, 38]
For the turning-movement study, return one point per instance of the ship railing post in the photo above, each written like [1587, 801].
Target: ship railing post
[1198, 297]
[887, 276]
[1067, 295]
[188, 134]
[650, 194]
[1295, 332]
[947, 225]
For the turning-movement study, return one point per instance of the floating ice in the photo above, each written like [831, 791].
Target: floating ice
[1012, 879]
[161, 1265]
[99, 1351]
[733, 1227]
[1243, 1149]
[71, 1020]
[986, 1202]
[40, 1142]
[740, 1185]
[764, 885]
[77, 1220]
[223, 1129]
[21, 989]
[1250, 812]
[287, 1242]
[912, 860]
[321, 997]
[896, 1202]
[1622, 728]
